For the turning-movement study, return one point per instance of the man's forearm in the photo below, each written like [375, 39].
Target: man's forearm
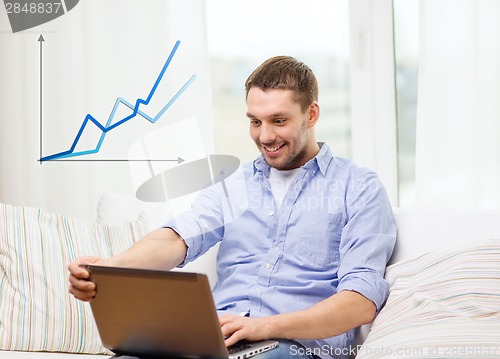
[162, 249]
[333, 316]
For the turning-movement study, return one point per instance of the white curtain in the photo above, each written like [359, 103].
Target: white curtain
[458, 115]
[97, 52]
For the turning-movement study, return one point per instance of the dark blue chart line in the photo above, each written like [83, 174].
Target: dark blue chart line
[109, 126]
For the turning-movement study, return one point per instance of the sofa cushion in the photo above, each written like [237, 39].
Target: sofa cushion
[422, 230]
[37, 313]
[443, 304]
[116, 208]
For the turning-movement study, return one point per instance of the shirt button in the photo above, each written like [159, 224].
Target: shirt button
[271, 213]
[268, 265]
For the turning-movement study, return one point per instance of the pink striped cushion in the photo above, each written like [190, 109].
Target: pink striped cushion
[442, 305]
[36, 311]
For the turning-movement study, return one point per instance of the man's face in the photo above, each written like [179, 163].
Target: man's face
[281, 131]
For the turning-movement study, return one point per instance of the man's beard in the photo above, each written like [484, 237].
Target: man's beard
[294, 160]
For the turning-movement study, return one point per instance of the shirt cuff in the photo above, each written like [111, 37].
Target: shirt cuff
[370, 286]
[190, 238]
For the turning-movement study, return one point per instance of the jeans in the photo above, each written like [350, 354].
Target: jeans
[286, 349]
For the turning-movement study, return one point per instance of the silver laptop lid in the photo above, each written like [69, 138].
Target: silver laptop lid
[156, 313]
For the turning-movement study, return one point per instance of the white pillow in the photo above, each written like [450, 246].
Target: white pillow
[37, 313]
[115, 208]
[441, 305]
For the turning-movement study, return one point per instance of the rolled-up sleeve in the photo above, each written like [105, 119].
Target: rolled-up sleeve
[367, 240]
[202, 226]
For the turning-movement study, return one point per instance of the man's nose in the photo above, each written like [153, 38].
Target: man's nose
[267, 134]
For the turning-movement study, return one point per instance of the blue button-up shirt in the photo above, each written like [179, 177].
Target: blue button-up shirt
[334, 231]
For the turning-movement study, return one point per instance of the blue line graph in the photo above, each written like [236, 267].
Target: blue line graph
[136, 111]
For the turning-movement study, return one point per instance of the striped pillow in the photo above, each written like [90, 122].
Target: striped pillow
[441, 305]
[36, 311]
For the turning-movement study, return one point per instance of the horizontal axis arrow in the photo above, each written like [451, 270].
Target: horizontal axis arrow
[178, 160]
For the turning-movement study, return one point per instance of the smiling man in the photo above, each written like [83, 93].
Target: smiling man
[304, 260]
[282, 127]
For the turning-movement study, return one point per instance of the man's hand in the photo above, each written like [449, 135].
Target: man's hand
[79, 285]
[335, 315]
[236, 328]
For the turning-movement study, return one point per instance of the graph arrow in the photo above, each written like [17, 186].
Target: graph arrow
[41, 41]
[178, 160]
[89, 119]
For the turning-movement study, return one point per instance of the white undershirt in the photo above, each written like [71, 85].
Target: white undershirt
[280, 181]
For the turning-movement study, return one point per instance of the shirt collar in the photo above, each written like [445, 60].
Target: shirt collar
[321, 161]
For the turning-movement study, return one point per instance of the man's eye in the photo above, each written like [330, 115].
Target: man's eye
[279, 121]
[255, 122]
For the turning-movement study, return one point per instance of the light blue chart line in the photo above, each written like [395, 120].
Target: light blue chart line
[108, 127]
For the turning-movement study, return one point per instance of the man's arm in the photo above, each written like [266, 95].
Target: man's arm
[161, 249]
[333, 316]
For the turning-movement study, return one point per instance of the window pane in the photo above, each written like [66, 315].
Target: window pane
[242, 34]
[406, 52]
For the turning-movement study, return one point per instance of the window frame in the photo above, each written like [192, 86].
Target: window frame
[373, 90]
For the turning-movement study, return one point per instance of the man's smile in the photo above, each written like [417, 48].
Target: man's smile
[273, 150]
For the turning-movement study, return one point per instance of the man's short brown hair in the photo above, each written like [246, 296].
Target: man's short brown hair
[285, 72]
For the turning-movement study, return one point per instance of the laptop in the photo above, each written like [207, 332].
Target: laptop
[147, 314]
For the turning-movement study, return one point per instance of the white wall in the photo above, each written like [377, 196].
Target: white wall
[96, 52]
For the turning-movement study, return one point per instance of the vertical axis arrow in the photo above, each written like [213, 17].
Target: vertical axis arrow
[41, 40]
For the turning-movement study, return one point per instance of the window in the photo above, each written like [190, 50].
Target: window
[241, 35]
[406, 63]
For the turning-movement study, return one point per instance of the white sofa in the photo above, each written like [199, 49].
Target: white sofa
[424, 236]
[435, 261]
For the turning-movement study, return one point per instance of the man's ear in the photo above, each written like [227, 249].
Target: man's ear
[313, 112]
